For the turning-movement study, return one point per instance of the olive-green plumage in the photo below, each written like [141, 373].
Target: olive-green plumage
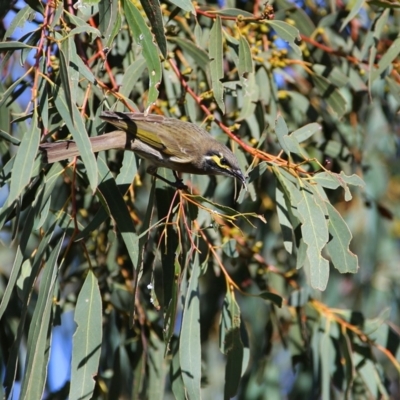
[175, 144]
[165, 142]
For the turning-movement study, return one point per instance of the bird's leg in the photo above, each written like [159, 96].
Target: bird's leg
[178, 184]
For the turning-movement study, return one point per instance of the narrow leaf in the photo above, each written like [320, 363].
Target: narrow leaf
[153, 11]
[143, 37]
[197, 53]
[87, 340]
[77, 127]
[306, 132]
[118, 210]
[331, 94]
[189, 345]
[25, 160]
[39, 332]
[216, 63]
[356, 6]
[387, 58]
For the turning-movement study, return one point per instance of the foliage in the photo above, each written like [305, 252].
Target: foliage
[306, 95]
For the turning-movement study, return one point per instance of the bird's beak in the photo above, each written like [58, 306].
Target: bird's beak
[238, 174]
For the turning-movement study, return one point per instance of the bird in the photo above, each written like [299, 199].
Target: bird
[165, 142]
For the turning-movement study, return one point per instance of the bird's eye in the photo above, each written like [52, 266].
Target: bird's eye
[223, 161]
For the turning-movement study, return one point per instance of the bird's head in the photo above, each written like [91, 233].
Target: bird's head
[222, 161]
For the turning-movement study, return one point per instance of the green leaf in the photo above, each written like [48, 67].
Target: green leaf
[153, 11]
[131, 76]
[25, 160]
[12, 280]
[285, 217]
[287, 32]
[108, 188]
[87, 339]
[15, 45]
[39, 331]
[177, 385]
[231, 345]
[77, 127]
[276, 299]
[143, 38]
[11, 89]
[394, 87]
[247, 78]
[331, 94]
[18, 21]
[338, 246]
[232, 12]
[156, 370]
[229, 248]
[65, 79]
[332, 180]
[216, 63]
[89, 30]
[386, 59]
[287, 142]
[233, 369]
[282, 131]
[305, 132]
[245, 64]
[189, 343]
[110, 21]
[186, 5]
[197, 53]
[354, 6]
[315, 235]
[384, 4]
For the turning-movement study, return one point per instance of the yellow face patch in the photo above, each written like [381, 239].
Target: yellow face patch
[220, 160]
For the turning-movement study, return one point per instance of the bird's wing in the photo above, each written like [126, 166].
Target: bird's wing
[164, 138]
[160, 133]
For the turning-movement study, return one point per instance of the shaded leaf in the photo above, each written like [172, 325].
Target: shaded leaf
[276, 299]
[118, 211]
[153, 11]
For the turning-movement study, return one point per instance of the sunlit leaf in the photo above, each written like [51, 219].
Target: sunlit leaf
[338, 246]
[189, 344]
[87, 339]
[216, 63]
[25, 160]
[287, 32]
[315, 234]
[144, 38]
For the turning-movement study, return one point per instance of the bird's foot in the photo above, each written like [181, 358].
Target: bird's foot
[178, 184]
